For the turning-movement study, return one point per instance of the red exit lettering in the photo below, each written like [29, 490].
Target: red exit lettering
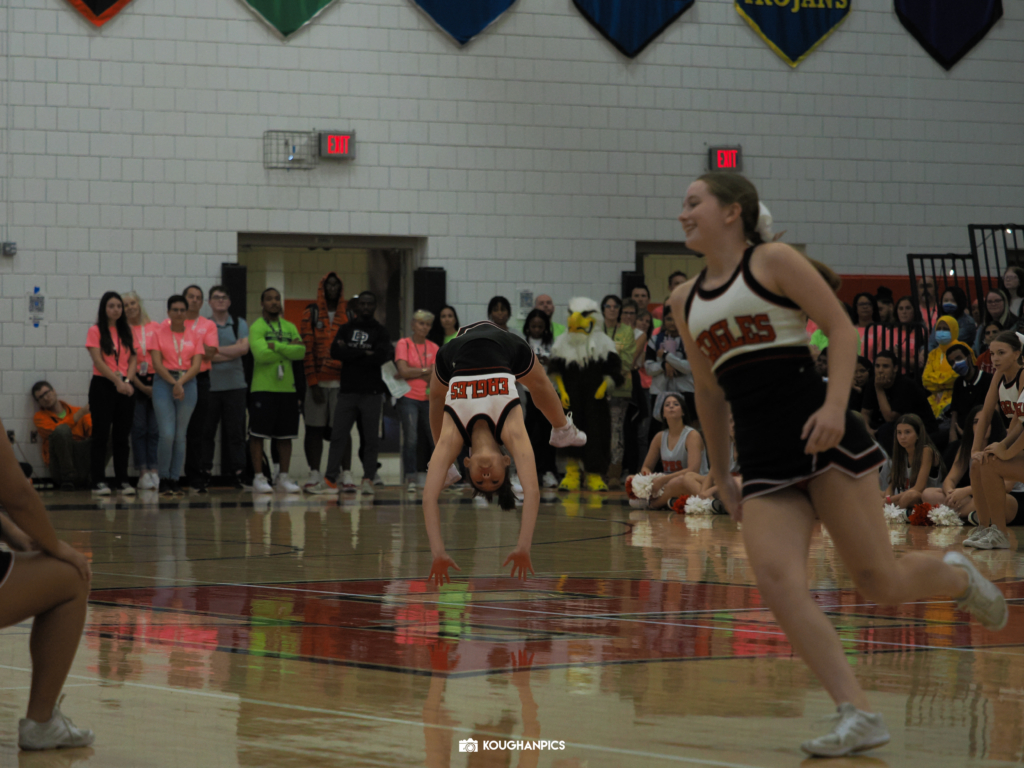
[727, 158]
[337, 145]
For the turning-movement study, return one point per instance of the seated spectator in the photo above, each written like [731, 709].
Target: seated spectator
[956, 492]
[414, 357]
[911, 343]
[916, 464]
[51, 587]
[989, 332]
[667, 365]
[938, 376]
[927, 300]
[969, 389]
[145, 430]
[865, 311]
[537, 329]
[547, 305]
[893, 396]
[65, 437]
[681, 451]
[499, 311]
[863, 378]
[445, 327]
[954, 304]
[1013, 283]
[886, 308]
[997, 309]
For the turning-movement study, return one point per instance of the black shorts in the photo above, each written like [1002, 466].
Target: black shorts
[772, 395]
[6, 564]
[274, 415]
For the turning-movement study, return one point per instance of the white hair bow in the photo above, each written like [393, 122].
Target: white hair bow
[764, 223]
[1021, 337]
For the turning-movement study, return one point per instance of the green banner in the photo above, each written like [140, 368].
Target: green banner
[286, 17]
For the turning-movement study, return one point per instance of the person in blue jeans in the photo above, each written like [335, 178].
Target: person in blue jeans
[177, 356]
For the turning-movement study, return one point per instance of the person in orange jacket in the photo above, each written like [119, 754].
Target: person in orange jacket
[65, 437]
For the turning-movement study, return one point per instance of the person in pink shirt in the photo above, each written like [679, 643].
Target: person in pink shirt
[205, 331]
[145, 431]
[112, 349]
[177, 358]
[414, 357]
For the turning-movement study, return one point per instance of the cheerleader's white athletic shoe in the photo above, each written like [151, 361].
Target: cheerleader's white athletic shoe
[854, 731]
[568, 436]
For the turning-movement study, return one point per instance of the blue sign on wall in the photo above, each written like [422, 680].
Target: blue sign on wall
[948, 29]
[793, 28]
[631, 25]
[463, 20]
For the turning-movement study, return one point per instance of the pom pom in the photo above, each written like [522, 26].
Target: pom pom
[679, 505]
[629, 488]
[695, 505]
[898, 536]
[943, 537]
[643, 486]
[943, 515]
[698, 522]
[919, 515]
[894, 514]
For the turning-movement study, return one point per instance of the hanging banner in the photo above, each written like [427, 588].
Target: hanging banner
[948, 29]
[286, 17]
[793, 28]
[462, 20]
[99, 12]
[631, 25]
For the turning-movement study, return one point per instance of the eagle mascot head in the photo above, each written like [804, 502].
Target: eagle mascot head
[584, 340]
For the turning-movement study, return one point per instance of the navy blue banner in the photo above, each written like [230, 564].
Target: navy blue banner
[948, 29]
[631, 25]
[793, 28]
[463, 19]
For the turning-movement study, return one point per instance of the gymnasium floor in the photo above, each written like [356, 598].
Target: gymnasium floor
[299, 631]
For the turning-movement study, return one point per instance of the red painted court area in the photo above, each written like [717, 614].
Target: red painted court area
[483, 626]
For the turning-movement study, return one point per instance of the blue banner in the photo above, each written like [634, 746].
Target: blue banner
[463, 20]
[631, 25]
[793, 28]
[948, 29]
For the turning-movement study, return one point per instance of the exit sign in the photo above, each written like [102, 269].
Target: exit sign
[725, 158]
[338, 145]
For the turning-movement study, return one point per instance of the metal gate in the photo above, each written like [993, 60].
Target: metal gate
[938, 272]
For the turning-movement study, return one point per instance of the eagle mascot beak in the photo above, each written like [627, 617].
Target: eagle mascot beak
[581, 322]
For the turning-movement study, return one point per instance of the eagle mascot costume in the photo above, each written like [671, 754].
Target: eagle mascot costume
[585, 366]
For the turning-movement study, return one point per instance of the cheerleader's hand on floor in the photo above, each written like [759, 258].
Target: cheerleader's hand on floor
[520, 559]
[439, 570]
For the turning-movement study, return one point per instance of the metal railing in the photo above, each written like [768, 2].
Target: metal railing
[996, 247]
[909, 342]
[939, 272]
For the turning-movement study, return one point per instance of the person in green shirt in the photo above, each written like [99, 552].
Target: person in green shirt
[273, 406]
[445, 327]
[547, 305]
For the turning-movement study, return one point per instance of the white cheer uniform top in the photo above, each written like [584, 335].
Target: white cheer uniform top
[490, 396]
[1010, 397]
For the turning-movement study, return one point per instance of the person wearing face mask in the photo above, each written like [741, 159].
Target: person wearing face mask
[954, 304]
[969, 389]
[938, 377]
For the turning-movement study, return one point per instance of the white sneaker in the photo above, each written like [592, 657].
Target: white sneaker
[260, 484]
[479, 501]
[975, 535]
[996, 539]
[983, 599]
[453, 476]
[549, 480]
[322, 488]
[421, 479]
[101, 489]
[568, 436]
[347, 483]
[145, 481]
[366, 488]
[517, 487]
[377, 479]
[854, 731]
[286, 484]
[127, 489]
[59, 732]
[410, 487]
[314, 478]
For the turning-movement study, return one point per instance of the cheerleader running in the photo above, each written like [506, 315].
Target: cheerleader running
[803, 455]
[474, 404]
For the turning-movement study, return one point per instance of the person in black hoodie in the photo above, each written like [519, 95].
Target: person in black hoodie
[362, 345]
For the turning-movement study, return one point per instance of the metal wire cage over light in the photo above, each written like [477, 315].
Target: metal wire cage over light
[290, 150]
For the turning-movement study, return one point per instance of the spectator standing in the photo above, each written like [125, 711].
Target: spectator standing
[145, 429]
[228, 391]
[446, 326]
[644, 325]
[206, 334]
[954, 304]
[676, 278]
[893, 396]
[320, 324]
[65, 434]
[1013, 282]
[177, 357]
[938, 376]
[540, 337]
[274, 414]
[499, 311]
[110, 392]
[618, 401]
[414, 357]
[641, 294]
[667, 365]
[547, 305]
[363, 347]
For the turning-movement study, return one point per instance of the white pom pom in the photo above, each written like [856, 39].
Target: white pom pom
[894, 514]
[943, 515]
[898, 536]
[698, 522]
[940, 538]
[695, 505]
[643, 486]
[764, 223]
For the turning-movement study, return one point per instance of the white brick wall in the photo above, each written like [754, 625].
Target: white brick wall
[535, 158]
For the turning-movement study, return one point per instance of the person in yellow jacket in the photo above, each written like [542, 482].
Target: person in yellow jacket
[939, 377]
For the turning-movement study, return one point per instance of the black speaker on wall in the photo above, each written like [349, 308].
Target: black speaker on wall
[631, 280]
[233, 278]
[429, 289]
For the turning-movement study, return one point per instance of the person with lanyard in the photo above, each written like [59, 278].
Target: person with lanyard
[145, 429]
[229, 391]
[177, 356]
[274, 407]
[414, 357]
[205, 333]
[112, 349]
[805, 458]
[474, 403]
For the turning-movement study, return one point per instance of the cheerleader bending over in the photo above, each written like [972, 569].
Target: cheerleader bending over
[474, 404]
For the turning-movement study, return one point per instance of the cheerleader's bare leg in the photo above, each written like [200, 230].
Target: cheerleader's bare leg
[990, 478]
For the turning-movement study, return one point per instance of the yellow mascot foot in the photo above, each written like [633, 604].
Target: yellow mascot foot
[571, 481]
[595, 482]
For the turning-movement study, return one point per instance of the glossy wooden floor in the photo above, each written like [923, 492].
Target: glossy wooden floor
[228, 630]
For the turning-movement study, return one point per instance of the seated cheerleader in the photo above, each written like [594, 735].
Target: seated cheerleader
[916, 464]
[474, 404]
[681, 449]
[956, 491]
